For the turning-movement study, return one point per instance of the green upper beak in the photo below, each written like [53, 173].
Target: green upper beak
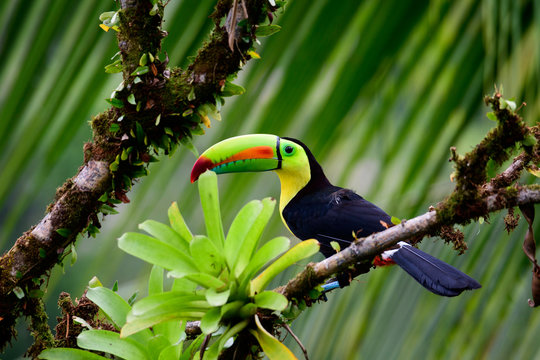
[258, 152]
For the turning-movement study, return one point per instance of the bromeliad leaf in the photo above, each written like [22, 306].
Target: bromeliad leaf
[271, 300]
[156, 252]
[112, 304]
[267, 30]
[271, 346]
[239, 230]
[209, 259]
[210, 321]
[178, 223]
[301, 251]
[206, 280]
[265, 254]
[165, 234]
[110, 342]
[252, 238]
[215, 298]
[136, 324]
[208, 191]
[169, 299]
[69, 354]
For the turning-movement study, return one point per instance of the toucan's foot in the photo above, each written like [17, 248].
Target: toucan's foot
[344, 279]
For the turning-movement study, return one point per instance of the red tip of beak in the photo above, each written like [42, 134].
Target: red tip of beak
[201, 165]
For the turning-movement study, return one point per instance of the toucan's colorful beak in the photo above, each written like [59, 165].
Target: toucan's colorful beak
[257, 152]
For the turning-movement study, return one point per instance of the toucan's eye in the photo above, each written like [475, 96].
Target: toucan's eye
[288, 150]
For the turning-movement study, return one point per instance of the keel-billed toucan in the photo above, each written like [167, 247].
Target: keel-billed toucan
[311, 207]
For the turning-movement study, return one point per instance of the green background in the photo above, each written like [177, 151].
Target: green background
[379, 90]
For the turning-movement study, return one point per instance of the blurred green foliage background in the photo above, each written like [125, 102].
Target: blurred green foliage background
[379, 90]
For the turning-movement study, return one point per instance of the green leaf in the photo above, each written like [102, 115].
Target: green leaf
[209, 259]
[491, 116]
[271, 300]
[133, 297]
[248, 310]
[112, 304]
[271, 346]
[215, 298]
[534, 171]
[156, 252]
[186, 141]
[529, 140]
[117, 103]
[157, 343]
[215, 349]
[239, 229]
[173, 299]
[143, 60]
[251, 240]
[178, 223]
[230, 89]
[131, 99]
[155, 280]
[171, 352]
[265, 254]
[335, 246]
[161, 314]
[110, 342]
[140, 70]
[231, 309]
[165, 234]
[113, 68]
[301, 251]
[267, 30]
[511, 104]
[208, 192]
[69, 354]
[210, 321]
[191, 95]
[394, 220]
[206, 280]
[64, 232]
[115, 286]
[210, 109]
[19, 293]
[94, 282]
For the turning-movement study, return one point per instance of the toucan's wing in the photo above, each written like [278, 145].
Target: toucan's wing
[333, 215]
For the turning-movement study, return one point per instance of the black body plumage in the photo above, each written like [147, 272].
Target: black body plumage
[328, 213]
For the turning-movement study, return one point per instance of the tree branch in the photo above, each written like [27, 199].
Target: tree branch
[365, 249]
[170, 106]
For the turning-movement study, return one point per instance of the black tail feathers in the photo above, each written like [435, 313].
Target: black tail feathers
[435, 275]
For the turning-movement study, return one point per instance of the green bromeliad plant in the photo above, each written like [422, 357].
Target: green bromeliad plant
[217, 280]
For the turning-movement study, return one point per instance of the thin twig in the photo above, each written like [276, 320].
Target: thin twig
[288, 328]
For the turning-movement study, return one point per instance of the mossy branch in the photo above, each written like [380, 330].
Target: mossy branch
[473, 197]
[154, 110]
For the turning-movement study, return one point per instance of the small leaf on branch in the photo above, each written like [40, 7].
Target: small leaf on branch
[131, 99]
[143, 60]
[140, 70]
[117, 103]
[230, 89]
[114, 68]
[491, 116]
[64, 232]
[267, 30]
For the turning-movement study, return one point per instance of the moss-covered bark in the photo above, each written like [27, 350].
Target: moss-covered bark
[156, 110]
